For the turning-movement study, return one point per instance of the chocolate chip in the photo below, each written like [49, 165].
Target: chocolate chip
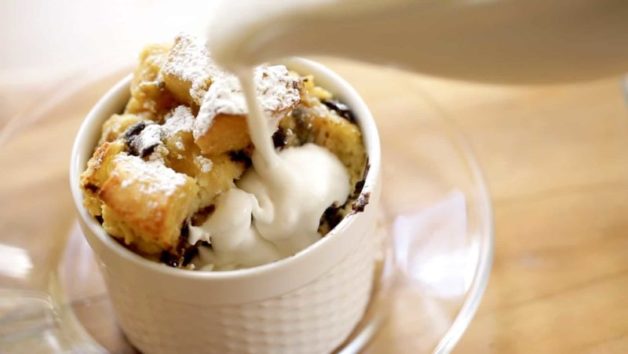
[188, 255]
[91, 187]
[185, 232]
[136, 143]
[136, 148]
[240, 156]
[341, 109]
[360, 203]
[169, 259]
[130, 136]
[146, 150]
[331, 217]
[358, 188]
[183, 253]
[200, 216]
[280, 138]
[134, 130]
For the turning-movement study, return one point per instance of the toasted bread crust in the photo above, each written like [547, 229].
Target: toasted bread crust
[227, 133]
[152, 206]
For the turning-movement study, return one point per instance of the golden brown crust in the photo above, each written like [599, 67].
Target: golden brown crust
[180, 89]
[344, 140]
[182, 152]
[149, 97]
[219, 178]
[227, 133]
[185, 71]
[96, 173]
[153, 206]
[119, 229]
[116, 125]
[213, 173]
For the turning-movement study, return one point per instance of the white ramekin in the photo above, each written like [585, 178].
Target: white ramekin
[307, 303]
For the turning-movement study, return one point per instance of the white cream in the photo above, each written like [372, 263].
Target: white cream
[235, 241]
[294, 193]
[276, 210]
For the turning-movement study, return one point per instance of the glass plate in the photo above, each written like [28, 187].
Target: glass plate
[436, 222]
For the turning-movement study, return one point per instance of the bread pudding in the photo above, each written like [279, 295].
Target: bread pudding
[182, 144]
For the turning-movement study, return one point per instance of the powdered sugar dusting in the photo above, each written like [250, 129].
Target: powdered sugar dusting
[177, 121]
[180, 119]
[149, 136]
[189, 60]
[146, 141]
[204, 163]
[277, 91]
[276, 88]
[151, 177]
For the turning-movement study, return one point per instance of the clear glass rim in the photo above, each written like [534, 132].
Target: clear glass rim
[486, 242]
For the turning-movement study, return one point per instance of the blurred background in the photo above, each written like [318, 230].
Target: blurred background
[555, 158]
[45, 42]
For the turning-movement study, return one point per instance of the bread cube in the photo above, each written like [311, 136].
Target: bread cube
[98, 168]
[152, 202]
[186, 70]
[116, 125]
[219, 177]
[226, 133]
[214, 174]
[149, 96]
